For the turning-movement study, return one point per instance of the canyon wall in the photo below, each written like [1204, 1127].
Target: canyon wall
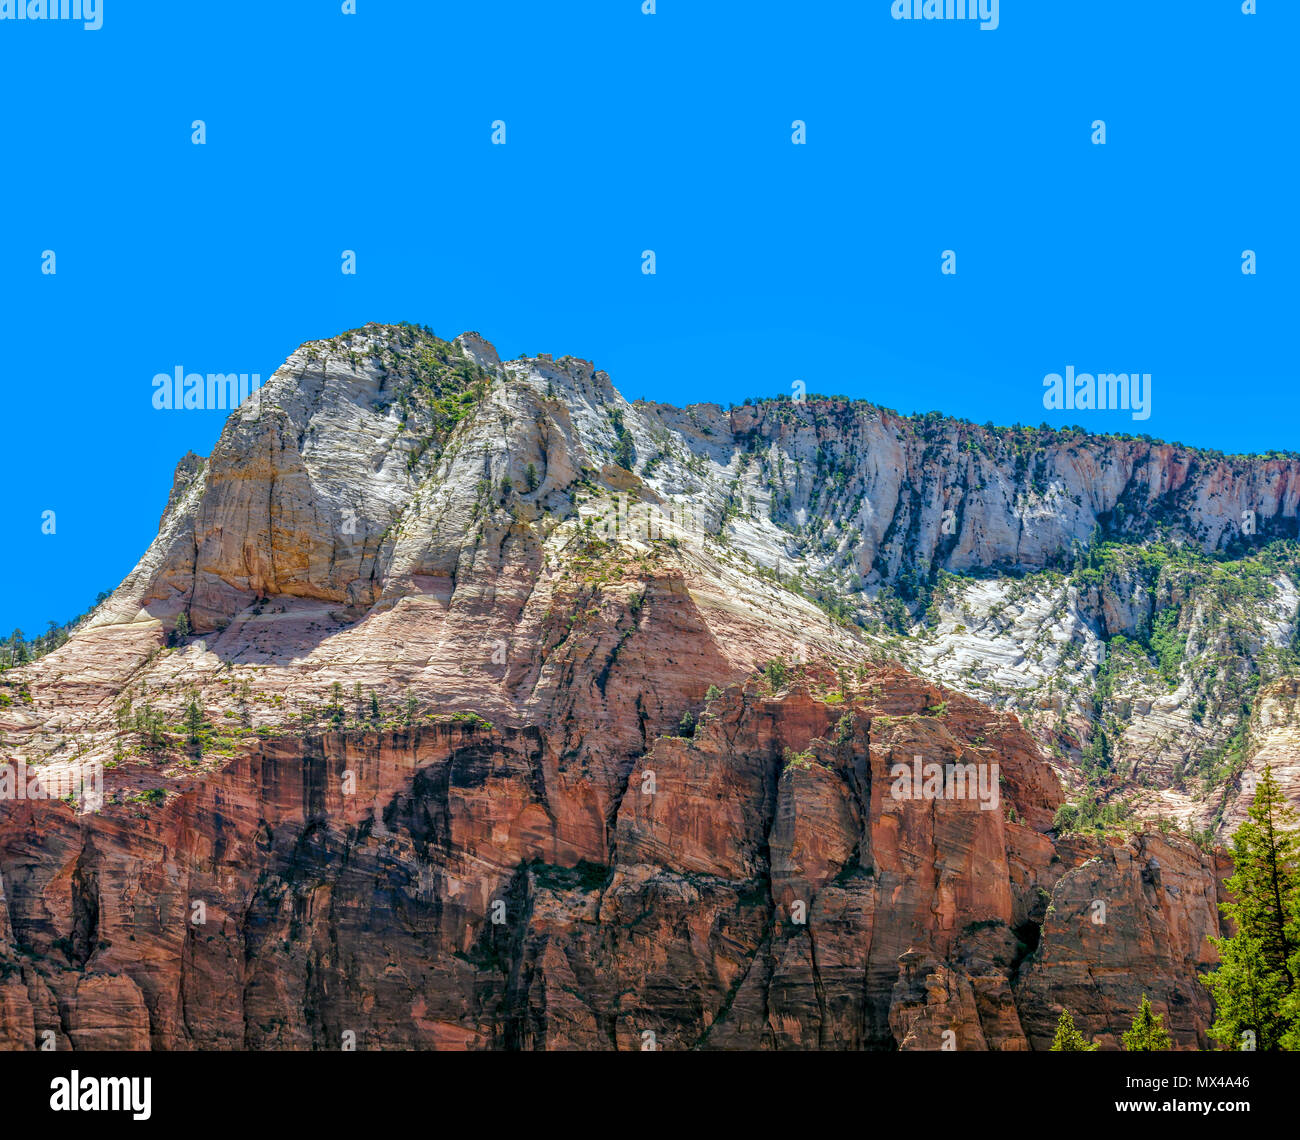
[509, 714]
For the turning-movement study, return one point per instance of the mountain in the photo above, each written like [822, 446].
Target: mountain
[462, 703]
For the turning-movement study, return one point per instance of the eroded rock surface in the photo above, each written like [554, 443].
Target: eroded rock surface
[426, 768]
[756, 885]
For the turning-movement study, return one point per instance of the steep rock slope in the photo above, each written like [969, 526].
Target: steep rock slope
[1127, 598]
[444, 613]
[758, 885]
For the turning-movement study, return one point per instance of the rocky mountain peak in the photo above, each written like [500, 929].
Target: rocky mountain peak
[646, 675]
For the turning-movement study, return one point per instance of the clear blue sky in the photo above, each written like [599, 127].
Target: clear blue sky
[628, 132]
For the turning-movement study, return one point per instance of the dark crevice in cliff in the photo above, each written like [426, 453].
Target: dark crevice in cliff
[766, 1035]
[819, 987]
[184, 974]
[1028, 935]
[761, 959]
[519, 1023]
[873, 1029]
[84, 934]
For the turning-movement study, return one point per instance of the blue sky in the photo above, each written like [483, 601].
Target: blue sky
[625, 132]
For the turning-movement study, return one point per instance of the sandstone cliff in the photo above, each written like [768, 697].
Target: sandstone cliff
[446, 615]
[458, 886]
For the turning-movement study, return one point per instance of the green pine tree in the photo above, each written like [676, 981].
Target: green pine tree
[1068, 1039]
[194, 722]
[1148, 1033]
[1254, 985]
[1249, 998]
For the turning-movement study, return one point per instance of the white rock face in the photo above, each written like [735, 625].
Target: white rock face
[390, 507]
[1276, 744]
[992, 637]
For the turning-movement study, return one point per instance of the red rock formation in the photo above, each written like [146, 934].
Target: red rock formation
[755, 885]
[441, 642]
